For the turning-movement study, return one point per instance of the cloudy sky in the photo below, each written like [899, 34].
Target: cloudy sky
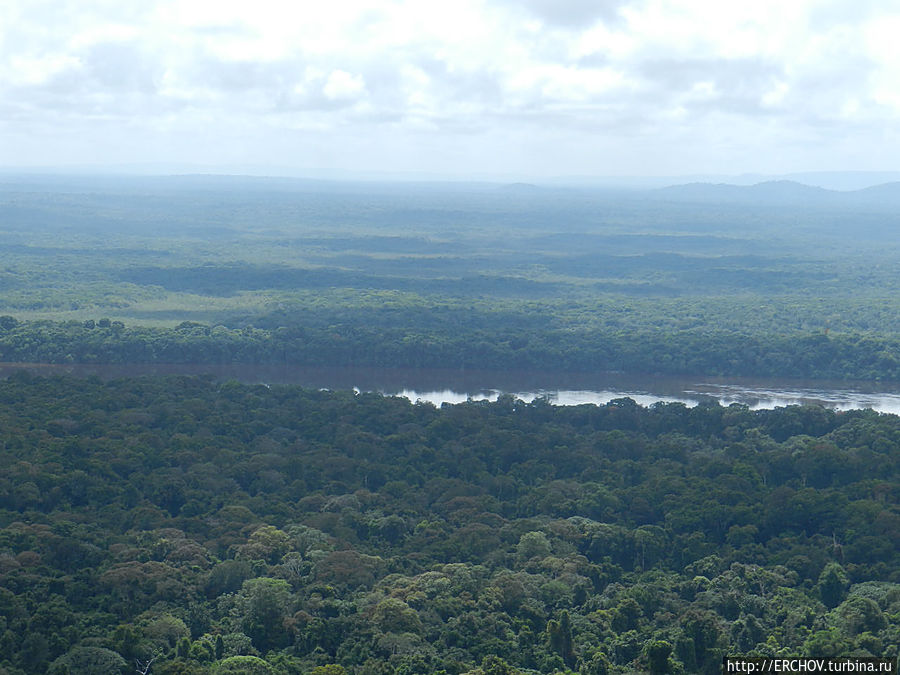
[468, 87]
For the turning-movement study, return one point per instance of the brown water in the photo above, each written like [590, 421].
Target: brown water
[454, 386]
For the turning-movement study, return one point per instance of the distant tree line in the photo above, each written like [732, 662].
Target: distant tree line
[453, 339]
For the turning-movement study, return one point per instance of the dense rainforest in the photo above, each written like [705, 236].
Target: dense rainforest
[453, 338]
[183, 525]
[770, 280]
[190, 526]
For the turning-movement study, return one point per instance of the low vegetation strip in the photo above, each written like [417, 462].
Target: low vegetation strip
[425, 340]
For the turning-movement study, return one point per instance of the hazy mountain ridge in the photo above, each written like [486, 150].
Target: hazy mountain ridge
[801, 189]
[780, 192]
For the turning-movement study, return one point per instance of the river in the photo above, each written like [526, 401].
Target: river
[452, 386]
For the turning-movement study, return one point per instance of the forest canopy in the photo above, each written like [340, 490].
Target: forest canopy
[219, 527]
[189, 526]
[693, 280]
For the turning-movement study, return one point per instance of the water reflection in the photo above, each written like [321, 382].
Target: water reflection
[753, 393]
[439, 386]
[755, 399]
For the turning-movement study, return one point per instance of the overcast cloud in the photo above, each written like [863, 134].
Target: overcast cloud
[469, 87]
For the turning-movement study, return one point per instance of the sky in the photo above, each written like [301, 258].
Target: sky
[511, 88]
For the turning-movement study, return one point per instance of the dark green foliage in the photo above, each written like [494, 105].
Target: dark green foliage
[321, 531]
[493, 665]
[560, 636]
[658, 652]
[242, 665]
[263, 603]
[88, 661]
[409, 337]
[833, 585]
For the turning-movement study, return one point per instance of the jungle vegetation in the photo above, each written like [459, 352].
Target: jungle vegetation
[697, 280]
[197, 527]
[204, 527]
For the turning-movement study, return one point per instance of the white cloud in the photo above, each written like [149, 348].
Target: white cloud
[542, 84]
[342, 85]
[33, 70]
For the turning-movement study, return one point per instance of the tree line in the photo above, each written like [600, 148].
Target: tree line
[455, 339]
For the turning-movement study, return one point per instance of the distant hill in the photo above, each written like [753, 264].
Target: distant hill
[839, 180]
[769, 192]
[782, 193]
[887, 195]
